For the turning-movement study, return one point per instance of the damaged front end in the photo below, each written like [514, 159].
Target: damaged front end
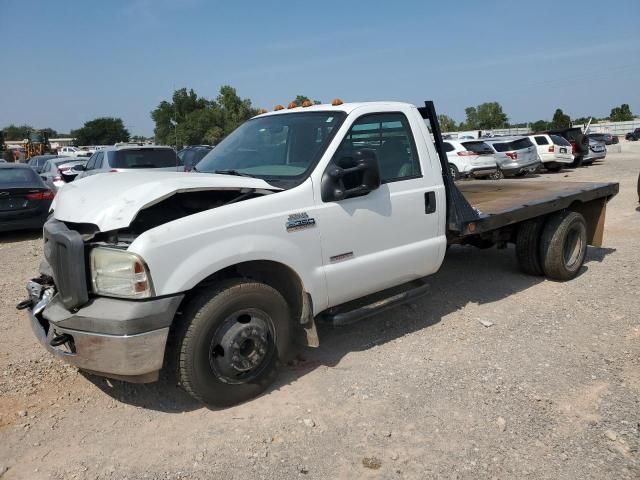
[110, 335]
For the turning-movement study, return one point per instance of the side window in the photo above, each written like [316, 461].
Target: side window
[448, 147]
[541, 140]
[45, 168]
[99, 160]
[389, 136]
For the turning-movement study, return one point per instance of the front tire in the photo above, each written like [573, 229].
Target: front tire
[231, 341]
[563, 245]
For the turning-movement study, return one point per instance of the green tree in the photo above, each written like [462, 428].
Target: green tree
[540, 126]
[621, 113]
[300, 99]
[13, 132]
[560, 120]
[583, 120]
[190, 120]
[485, 116]
[101, 131]
[447, 124]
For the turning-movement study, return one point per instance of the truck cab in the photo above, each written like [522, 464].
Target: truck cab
[305, 214]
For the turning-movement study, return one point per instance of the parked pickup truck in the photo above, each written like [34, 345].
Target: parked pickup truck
[326, 213]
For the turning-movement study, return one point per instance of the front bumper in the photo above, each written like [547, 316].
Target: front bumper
[115, 338]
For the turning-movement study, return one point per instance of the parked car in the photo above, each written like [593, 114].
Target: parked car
[471, 158]
[37, 162]
[58, 172]
[634, 135]
[553, 151]
[578, 140]
[190, 156]
[24, 198]
[72, 152]
[606, 138]
[132, 157]
[597, 151]
[515, 156]
[2, 160]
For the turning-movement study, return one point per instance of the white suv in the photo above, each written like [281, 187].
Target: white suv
[553, 151]
[470, 158]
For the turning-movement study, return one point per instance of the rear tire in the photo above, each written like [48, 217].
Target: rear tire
[577, 162]
[230, 341]
[528, 246]
[563, 245]
[555, 168]
[497, 175]
[455, 174]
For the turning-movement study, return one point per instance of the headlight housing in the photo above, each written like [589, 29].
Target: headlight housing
[119, 273]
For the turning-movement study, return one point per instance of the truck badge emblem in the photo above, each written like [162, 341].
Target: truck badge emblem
[299, 221]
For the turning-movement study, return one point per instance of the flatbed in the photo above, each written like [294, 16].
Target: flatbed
[507, 202]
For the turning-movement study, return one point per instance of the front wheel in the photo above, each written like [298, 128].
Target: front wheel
[231, 340]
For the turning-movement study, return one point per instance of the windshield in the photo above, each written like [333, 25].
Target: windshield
[143, 158]
[284, 146]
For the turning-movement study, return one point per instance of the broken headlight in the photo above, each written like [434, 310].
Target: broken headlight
[118, 273]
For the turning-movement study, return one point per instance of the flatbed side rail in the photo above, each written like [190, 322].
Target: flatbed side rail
[460, 213]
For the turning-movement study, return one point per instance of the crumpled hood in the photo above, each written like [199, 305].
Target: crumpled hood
[112, 200]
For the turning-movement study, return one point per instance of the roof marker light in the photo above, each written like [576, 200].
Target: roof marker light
[307, 103]
[336, 101]
[278, 107]
[292, 105]
[262, 110]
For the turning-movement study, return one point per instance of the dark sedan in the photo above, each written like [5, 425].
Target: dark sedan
[605, 138]
[24, 198]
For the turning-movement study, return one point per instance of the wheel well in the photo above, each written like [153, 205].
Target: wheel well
[276, 275]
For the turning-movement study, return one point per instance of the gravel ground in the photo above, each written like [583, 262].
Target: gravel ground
[492, 374]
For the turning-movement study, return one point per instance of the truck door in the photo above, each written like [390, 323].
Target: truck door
[391, 235]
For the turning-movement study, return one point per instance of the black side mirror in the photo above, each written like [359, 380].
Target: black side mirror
[351, 176]
[79, 168]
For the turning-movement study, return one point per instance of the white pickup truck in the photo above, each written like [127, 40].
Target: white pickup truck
[323, 213]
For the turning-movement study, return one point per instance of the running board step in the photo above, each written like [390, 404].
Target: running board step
[366, 307]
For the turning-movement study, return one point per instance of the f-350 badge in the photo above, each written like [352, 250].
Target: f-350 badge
[299, 221]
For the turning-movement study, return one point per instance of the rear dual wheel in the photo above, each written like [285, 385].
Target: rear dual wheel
[556, 247]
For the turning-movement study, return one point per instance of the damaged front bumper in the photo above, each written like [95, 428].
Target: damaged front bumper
[115, 338]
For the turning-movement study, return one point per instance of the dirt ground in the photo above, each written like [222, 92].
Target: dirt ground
[551, 389]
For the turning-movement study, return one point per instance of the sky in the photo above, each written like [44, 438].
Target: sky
[65, 63]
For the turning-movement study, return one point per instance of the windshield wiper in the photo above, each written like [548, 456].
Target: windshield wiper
[233, 172]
